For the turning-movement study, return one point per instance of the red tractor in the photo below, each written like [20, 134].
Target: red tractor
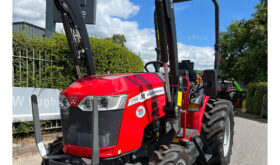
[139, 118]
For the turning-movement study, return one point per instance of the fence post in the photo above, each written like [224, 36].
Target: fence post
[27, 68]
[45, 65]
[13, 71]
[39, 68]
[51, 71]
[20, 68]
[264, 106]
[33, 58]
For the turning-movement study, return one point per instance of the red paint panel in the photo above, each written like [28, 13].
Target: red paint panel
[132, 127]
[194, 119]
[86, 151]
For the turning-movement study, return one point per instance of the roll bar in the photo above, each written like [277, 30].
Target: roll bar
[161, 56]
[167, 51]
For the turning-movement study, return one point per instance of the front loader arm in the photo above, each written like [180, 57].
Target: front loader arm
[81, 52]
[77, 35]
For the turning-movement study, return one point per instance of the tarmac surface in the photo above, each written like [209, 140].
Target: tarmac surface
[249, 148]
[250, 141]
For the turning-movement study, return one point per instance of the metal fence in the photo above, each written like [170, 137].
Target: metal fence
[31, 67]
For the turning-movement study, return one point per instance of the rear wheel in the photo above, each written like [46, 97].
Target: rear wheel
[217, 129]
[172, 155]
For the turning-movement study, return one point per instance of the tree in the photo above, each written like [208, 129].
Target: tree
[263, 2]
[244, 48]
[118, 39]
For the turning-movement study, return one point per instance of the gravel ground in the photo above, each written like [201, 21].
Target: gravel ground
[250, 144]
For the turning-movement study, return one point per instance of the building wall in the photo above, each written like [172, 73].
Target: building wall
[32, 31]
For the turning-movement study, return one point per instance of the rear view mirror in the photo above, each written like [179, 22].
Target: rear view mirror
[210, 81]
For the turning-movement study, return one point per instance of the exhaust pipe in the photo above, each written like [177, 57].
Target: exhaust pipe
[217, 32]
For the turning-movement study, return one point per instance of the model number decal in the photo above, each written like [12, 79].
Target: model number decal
[145, 95]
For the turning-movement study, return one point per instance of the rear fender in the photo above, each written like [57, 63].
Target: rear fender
[194, 119]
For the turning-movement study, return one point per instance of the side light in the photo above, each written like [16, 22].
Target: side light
[85, 104]
[105, 103]
[63, 102]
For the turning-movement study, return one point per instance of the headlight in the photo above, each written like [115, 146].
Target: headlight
[105, 103]
[63, 102]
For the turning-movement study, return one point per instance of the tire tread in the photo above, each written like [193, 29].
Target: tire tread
[213, 129]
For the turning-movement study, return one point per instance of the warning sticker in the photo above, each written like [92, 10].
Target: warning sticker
[179, 100]
[140, 111]
[42, 149]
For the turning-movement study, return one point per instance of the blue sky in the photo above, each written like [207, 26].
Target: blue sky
[134, 19]
[195, 19]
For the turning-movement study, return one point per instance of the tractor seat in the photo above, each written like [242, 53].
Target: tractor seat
[186, 68]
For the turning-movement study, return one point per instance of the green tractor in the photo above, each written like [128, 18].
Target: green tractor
[230, 89]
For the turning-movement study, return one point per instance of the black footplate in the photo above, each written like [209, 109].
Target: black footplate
[205, 153]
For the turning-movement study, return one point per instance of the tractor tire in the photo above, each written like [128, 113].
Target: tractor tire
[54, 148]
[217, 129]
[172, 155]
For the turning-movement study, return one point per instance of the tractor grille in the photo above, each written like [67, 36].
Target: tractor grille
[77, 126]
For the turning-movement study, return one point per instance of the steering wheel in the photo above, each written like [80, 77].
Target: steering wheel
[154, 64]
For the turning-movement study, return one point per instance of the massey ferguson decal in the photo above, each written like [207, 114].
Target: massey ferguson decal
[140, 111]
[146, 95]
[73, 99]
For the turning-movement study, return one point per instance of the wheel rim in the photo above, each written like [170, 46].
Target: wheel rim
[181, 162]
[227, 136]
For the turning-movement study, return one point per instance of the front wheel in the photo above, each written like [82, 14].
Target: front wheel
[54, 148]
[217, 129]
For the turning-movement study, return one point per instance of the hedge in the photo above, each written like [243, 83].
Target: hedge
[255, 95]
[26, 127]
[109, 57]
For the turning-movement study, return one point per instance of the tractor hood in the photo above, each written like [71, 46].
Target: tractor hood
[77, 123]
[111, 84]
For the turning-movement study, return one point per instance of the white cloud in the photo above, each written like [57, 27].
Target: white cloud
[117, 8]
[32, 11]
[112, 18]
[203, 57]
[197, 37]
[111, 22]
